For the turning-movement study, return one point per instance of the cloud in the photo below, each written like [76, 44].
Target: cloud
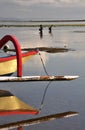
[55, 2]
[48, 2]
[42, 9]
[29, 2]
[69, 1]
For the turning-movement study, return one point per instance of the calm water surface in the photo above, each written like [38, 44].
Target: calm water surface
[61, 96]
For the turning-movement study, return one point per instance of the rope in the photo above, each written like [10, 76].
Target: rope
[43, 98]
[43, 64]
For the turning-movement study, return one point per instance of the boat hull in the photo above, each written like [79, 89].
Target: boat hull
[8, 65]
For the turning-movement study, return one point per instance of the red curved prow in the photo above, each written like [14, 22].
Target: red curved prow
[13, 39]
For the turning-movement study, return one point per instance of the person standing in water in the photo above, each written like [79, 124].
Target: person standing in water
[41, 31]
[50, 29]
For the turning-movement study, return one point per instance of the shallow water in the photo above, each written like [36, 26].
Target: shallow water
[61, 96]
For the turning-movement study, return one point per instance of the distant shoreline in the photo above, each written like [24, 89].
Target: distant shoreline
[45, 23]
[72, 20]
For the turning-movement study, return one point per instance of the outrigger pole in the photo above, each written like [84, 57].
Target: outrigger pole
[20, 124]
[37, 78]
[45, 49]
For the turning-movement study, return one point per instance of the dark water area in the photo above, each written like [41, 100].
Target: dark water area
[61, 96]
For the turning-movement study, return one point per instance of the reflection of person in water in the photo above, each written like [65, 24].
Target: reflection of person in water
[50, 29]
[41, 31]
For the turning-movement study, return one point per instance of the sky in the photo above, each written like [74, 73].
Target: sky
[42, 9]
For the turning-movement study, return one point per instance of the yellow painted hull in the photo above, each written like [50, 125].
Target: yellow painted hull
[10, 66]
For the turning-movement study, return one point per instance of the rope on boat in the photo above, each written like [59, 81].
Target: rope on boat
[43, 64]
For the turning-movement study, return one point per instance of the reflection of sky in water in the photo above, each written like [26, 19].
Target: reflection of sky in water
[61, 96]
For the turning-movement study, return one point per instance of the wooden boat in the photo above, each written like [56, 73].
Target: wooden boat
[8, 65]
[10, 105]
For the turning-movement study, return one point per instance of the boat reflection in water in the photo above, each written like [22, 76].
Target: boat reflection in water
[11, 105]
